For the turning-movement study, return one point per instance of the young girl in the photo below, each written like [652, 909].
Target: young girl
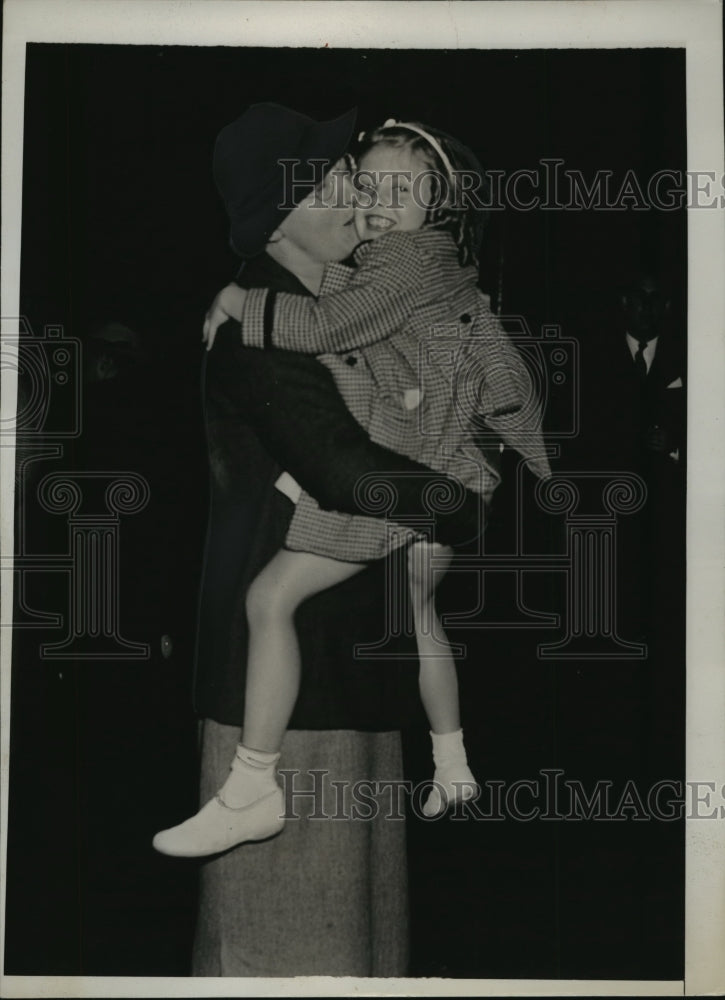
[419, 359]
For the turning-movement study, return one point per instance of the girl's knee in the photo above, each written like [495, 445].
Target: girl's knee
[266, 601]
[289, 580]
[425, 571]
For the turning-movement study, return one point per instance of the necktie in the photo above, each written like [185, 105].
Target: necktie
[640, 365]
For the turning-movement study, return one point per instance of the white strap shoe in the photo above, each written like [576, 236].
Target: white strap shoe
[217, 827]
[450, 786]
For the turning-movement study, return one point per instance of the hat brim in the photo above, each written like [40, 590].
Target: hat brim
[324, 142]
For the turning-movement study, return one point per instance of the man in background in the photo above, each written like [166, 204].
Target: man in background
[633, 420]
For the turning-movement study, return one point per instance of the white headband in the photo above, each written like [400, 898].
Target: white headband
[392, 123]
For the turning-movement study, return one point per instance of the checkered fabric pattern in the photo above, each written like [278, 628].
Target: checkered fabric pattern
[421, 363]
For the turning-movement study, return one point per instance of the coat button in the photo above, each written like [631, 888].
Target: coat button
[465, 318]
[351, 360]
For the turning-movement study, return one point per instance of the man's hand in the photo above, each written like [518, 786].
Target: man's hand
[228, 304]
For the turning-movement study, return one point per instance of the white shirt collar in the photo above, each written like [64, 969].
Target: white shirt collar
[649, 351]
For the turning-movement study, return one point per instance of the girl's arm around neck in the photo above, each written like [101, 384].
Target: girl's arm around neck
[390, 284]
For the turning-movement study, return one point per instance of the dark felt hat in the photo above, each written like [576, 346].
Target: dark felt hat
[256, 173]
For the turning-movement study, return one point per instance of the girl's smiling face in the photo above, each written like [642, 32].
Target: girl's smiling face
[394, 189]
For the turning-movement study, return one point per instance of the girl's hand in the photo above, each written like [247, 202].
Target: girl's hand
[228, 304]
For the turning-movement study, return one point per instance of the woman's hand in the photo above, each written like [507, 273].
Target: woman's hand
[228, 304]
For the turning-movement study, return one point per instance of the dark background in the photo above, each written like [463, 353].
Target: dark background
[121, 222]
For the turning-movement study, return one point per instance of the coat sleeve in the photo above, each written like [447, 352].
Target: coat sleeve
[504, 393]
[501, 379]
[388, 286]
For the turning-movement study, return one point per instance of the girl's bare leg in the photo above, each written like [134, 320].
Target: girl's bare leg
[273, 664]
[437, 679]
[249, 805]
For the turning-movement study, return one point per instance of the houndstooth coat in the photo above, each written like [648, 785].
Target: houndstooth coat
[421, 363]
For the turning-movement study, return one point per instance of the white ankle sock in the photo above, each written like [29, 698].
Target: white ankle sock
[452, 772]
[252, 776]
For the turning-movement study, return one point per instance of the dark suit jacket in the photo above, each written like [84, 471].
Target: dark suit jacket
[618, 408]
[247, 524]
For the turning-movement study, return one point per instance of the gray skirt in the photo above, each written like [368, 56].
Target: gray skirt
[328, 896]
